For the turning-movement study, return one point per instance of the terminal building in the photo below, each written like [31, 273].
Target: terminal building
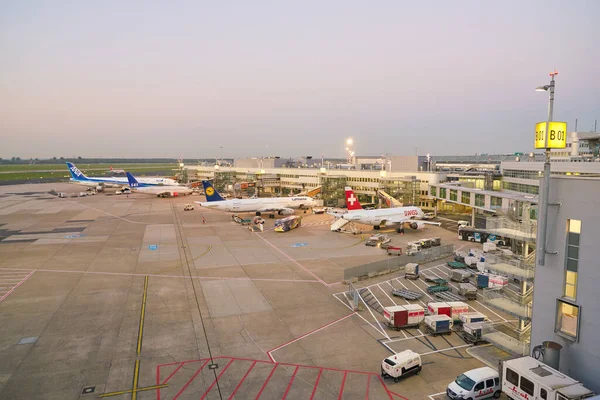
[565, 300]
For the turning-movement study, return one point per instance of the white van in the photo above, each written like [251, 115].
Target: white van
[479, 383]
[463, 223]
[401, 364]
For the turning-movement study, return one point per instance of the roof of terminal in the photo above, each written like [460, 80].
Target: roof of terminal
[528, 198]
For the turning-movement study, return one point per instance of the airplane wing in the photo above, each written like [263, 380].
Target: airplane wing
[269, 209]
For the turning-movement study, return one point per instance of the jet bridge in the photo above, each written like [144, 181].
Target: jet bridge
[388, 200]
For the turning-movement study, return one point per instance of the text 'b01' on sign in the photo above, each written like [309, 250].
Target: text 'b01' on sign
[554, 138]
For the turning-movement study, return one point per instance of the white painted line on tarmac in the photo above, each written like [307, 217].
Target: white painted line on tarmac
[415, 285]
[408, 338]
[432, 396]
[446, 349]
[388, 347]
[372, 326]
[343, 302]
[382, 331]
[375, 297]
[387, 295]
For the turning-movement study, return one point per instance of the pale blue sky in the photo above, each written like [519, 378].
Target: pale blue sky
[287, 78]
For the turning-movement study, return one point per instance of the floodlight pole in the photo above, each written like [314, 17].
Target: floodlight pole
[543, 223]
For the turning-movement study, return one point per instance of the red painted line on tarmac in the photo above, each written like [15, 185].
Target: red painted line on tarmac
[243, 379]
[172, 373]
[265, 384]
[157, 382]
[385, 387]
[16, 286]
[307, 334]
[216, 380]
[312, 395]
[191, 379]
[290, 384]
[368, 384]
[295, 262]
[396, 394]
[343, 384]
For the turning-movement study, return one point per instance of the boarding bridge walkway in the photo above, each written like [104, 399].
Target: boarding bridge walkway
[388, 200]
[339, 224]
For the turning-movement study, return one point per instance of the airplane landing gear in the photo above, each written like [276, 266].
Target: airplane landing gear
[376, 227]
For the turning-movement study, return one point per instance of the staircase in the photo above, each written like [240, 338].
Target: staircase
[370, 300]
[339, 224]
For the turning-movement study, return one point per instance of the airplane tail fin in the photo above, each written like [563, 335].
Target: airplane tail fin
[210, 192]
[76, 174]
[351, 200]
[132, 181]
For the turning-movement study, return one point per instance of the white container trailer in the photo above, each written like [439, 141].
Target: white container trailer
[526, 378]
[457, 308]
[467, 318]
[401, 364]
[416, 313]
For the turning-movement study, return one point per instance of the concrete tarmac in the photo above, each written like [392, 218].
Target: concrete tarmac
[131, 297]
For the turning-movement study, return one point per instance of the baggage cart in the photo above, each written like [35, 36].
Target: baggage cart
[472, 333]
[437, 281]
[437, 289]
[471, 317]
[411, 271]
[436, 241]
[459, 275]
[457, 308]
[457, 265]
[400, 317]
[438, 324]
[467, 290]
[394, 251]
[439, 308]
[407, 294]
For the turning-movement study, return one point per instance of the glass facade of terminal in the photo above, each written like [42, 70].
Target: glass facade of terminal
[520, 187]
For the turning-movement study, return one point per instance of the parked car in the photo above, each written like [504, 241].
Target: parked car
[188, 207]
[428, 216]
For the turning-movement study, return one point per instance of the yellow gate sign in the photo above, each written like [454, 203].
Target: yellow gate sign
[554, 138]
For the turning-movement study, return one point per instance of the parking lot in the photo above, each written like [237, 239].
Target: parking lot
[131, 296]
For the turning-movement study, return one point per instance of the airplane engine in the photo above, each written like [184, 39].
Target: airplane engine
[417, 225]
[286, 211]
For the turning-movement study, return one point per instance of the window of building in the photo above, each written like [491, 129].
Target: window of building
[465, 198]
[512, 376]
[479, 200]
[433, 191]
[527, 386]
[567, 319]
[496, 202]
[443, 193]
[572, 262]
[453, 194]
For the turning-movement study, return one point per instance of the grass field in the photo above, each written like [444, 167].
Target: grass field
[44, 171]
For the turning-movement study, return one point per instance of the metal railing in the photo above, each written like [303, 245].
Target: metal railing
[496, 298]
[395, 263]
[501, 336]
[517, 230]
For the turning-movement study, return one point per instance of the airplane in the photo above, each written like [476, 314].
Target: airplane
[116, 171]
[280, 205]
[80, 178]
[383, 217]
[160, 191]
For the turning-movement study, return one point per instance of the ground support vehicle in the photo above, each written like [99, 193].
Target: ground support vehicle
[378, 239]
[400, 365]
[188, 207]
[240, 220]
[288, 223]
[479, 383]
[526, 378]
[436, 241]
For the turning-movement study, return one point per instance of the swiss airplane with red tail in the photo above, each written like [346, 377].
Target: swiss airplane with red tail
[384, 216]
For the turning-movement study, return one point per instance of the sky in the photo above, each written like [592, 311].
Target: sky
[290, 78]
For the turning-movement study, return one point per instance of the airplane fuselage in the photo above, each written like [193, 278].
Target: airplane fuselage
[260, 204]
[383, 215]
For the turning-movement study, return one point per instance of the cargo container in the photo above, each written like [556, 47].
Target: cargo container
[485, 280]
[473, 332]
[396, 317]
[411, 271]
[394, 251]
[489, 246]
[416, 313]
[439, 324]
[468, 291]
[425, 243]
[436, 241]
[469, 317]
[457, 309]
[459, 275]
[439, 308]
